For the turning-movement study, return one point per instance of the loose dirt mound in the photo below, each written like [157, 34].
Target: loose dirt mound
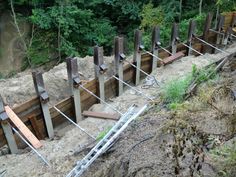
[20, 88]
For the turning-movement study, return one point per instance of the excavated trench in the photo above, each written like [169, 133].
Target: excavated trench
[160, 143]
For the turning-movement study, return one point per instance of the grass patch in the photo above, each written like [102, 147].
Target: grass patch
[173, 92]
[225, 158]
[203, 75]
[102, 134]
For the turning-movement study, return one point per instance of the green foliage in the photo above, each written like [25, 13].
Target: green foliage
[203, 75]
[173, 92]
[103, 133]
[151, 16]
[75, 26]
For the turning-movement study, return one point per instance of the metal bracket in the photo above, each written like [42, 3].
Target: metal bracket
[76, 81]
[44, 97]
[141, 47]
[103, 68]
[122, 57]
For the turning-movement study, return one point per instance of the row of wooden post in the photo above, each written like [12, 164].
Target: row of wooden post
[100, 69]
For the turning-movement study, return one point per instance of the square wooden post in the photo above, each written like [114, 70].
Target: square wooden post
[119, 58]
[191, 32]
[227, 36]
[205, 35]
[155, 45]
[74, 82]
[137, 54]
[233, 22]
[7, 129]
[100, 69]
[174, 38]
[44, 99]
[219, 28]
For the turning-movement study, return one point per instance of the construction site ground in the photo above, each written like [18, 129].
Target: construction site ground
[159, 143]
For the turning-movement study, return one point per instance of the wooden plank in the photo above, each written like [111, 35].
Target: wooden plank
[172, 58]
[101, 115]
[22, 128]
[35, 126]
[26, 105]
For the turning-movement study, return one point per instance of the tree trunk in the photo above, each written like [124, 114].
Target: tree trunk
[200, 7]
[180, 10]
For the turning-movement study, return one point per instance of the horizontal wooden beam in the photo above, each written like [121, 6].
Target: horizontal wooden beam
[101, 115]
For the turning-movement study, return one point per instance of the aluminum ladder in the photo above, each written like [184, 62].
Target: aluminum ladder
[132, 113]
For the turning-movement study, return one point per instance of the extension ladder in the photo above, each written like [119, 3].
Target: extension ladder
[105, 143]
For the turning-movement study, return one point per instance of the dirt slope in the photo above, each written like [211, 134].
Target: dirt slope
[143, 150]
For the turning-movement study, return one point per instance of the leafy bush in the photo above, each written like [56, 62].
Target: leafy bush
[174, 90]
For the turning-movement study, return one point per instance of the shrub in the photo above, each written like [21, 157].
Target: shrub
[174, 90]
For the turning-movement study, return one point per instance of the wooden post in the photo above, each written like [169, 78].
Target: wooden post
[219, 28]
[227, 36]
[137, 54]
[207, 26]
[7, 129]
[155, 45]
[119, 57]
[233, 23]
[44, 99]
[191, 32]
[174, 38]
[74, 82]
[100, 69]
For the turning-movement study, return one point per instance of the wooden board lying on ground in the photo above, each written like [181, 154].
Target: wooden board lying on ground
[172, 58]
[22, 128]
[101, 115]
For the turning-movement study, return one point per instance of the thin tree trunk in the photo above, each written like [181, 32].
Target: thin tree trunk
[200, 7]
[180, 9]
[19, 32]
